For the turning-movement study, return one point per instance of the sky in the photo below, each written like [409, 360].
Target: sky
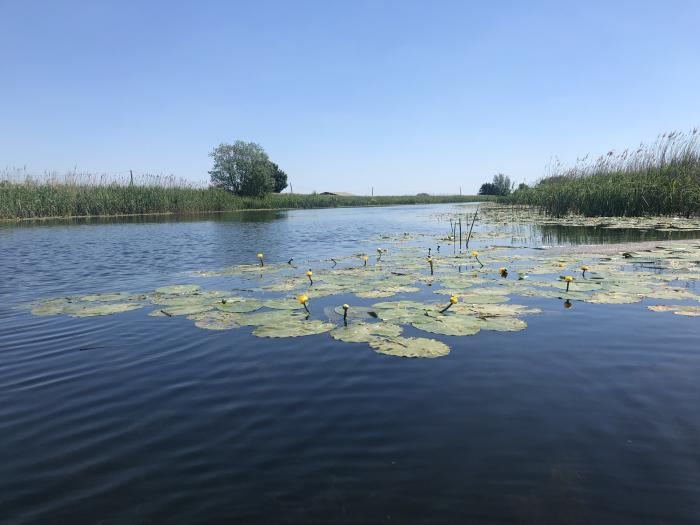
[399, 96]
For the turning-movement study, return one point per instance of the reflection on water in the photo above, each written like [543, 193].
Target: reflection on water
[588, 416]
[558, 235]
[227, 217]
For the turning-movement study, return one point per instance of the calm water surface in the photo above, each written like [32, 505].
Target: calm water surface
[591, 415]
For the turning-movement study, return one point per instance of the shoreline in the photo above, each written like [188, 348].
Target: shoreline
[214, 212]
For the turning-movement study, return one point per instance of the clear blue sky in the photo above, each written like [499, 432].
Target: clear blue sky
[403, 96]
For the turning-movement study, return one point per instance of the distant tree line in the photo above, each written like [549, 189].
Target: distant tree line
[245, 169]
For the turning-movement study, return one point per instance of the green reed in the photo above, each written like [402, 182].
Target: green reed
[77, 195]
[658, 179]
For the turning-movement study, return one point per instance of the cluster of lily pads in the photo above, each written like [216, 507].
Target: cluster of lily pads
[472, 290]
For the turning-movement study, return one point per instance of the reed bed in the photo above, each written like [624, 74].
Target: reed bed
[662, 178]
[84, 194]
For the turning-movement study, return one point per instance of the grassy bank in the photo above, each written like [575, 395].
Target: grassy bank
[660, 179]
[29, 199]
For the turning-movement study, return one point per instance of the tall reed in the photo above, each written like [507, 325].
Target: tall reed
[662, 178]
[84, 194]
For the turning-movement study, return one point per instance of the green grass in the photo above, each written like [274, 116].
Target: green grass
[28, 199]
[660, 179]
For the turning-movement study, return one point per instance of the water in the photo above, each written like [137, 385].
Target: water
[588, 416]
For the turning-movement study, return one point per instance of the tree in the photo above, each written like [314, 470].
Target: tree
[502, 183]
[279, 178]
[242, 168]
[488, 188]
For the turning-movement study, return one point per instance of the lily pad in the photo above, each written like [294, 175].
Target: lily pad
[92, 310]
[297, 328]
[365, 332]
[216, 320]
[690, 311]
[410, 347]
[240, 306]
[457, 325]
[613, 298]
[178, 289]
[502, 324]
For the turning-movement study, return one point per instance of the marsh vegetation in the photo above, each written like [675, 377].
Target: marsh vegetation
[85, 194]
[658, 179]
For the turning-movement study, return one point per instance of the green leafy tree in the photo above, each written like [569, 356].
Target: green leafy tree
[488, 188]
[242, 168]
[279, 178]
[502, 184]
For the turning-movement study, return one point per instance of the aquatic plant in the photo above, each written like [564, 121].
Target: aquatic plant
[304, 300]
[475, 254]
[74, 194]
[568, 280]
[260, 258]
[484, 298]
[658, 179]
[310, 274]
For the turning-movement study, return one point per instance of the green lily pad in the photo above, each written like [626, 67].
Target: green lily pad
[410, 347]
[92, 310]
[216, 320]
[178, 289]
[457, 325]
[387, 292]
[357, 312]
[297, 328]
[239, 305]
[271, 318]
[170, 311]
[286, 303]
[613, 298]
[502, 324]
[365, 332]
[689, 311]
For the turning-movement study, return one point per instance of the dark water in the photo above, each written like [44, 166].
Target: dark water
[591, 415]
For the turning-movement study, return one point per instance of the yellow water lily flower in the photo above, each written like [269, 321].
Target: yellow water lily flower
[453, 300]
[503, 271]
[567, 279]
[309, 274]
[475, 253]
[304, 300]
[260, 258]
